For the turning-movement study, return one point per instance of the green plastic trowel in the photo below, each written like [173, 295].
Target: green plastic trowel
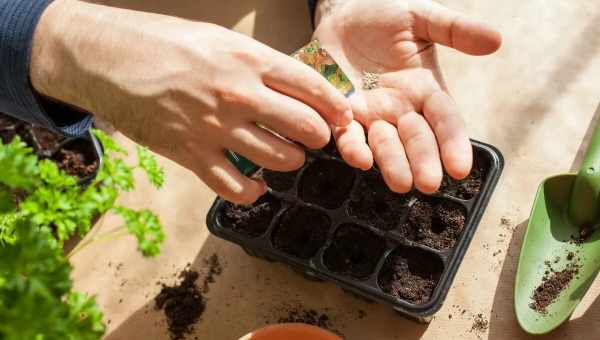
[566, 206]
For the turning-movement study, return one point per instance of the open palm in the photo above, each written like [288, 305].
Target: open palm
[413, 124]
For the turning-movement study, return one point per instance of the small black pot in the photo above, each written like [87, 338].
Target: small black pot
[333, 208]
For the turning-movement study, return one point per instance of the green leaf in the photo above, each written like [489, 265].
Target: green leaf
[7, 203]
[146, 228]
[108, 143]
[147, 161]
[18, 165]
[35, 292]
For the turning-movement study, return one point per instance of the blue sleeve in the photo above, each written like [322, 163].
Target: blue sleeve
[18, 20]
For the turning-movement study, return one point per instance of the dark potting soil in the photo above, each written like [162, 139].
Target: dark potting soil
[251, 220]
[214, 269]
[47, 141]
[77, 159]
[375, 203]
[411, 274]
[327, 183]
[468, 187]
[480, 324]
[553, 283]
[183, 304]
[355, 251]
[301, 231]
[307, 316]
[434, 223]
[279, 181]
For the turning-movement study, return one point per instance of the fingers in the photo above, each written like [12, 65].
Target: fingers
[441, 112]
[297, 80]
[293, 119]
[223, 178]
[421, 150]
[390, 156]
[265, 149]
[352, 145]
[438, 24]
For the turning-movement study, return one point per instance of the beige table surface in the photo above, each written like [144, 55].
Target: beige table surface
[534, 100]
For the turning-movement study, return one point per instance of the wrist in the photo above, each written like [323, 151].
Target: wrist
[52, 69]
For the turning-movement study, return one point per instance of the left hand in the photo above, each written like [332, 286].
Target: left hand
[413, 123]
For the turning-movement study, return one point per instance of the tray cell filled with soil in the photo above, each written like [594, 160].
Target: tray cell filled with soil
[436, 223]
[77, 158]
[326, 183]
[250, 220]
[411, 274]
[354, 251]
[373, 202]
[470, 186]
[301, 231]
[279, 181]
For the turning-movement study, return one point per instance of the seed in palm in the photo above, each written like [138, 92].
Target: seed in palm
[370, 80]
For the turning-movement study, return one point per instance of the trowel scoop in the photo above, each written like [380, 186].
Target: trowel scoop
[561, 233]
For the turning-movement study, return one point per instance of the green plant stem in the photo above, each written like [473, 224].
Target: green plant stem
[108, 236]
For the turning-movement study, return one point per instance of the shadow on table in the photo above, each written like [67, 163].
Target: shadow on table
[251, 293]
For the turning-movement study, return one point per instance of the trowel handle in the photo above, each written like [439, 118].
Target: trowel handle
[584, 205]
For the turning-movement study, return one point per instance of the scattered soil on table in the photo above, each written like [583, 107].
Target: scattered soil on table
[326, 183]
[301, 231]
[375, 203]
[467, 187]
[77, 158]
[251, 220]
[183, 304]
[355, 251]
[411, 274]
[480, 325]
[279, 181]
[553, 283]
[434, 223]
[296, 313]
[214, 269]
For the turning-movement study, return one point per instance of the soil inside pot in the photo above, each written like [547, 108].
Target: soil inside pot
[435, 223]
[183, 304]
[326, 183]
[301, 232]
[251, 220]
[355, 251]
[77, 158]
[469, 186]
[279, 181]
[411, 274]
[373, 202]
[47, 141]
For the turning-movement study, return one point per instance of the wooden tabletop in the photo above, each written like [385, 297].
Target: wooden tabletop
[535, 100]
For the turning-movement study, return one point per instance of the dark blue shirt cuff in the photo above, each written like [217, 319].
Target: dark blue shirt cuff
[18, 20]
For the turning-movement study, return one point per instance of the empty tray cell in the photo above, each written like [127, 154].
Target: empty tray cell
[373, 202]
[279, 181]
[436, 223]
[354, 251]
[250, 220]
[469, 186]
[326, 183]
[301, 231]
[411, 274]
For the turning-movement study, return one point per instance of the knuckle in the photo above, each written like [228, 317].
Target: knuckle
[312, 129]
[236, 96]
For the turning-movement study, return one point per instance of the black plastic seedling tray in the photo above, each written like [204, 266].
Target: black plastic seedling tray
[335, 223]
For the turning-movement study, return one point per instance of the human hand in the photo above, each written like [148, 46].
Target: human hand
[411, 119]
[187, 90]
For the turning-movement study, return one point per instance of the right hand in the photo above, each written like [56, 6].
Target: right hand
[187, 90]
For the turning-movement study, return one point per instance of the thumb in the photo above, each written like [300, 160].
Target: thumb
[436, 23]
